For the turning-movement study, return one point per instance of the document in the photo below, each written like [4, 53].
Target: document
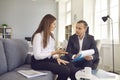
[83, 54]
[31, 73]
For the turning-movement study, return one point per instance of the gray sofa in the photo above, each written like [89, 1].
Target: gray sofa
[14, 57]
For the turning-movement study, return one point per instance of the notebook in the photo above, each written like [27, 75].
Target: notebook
[82, 54]
[31, 73]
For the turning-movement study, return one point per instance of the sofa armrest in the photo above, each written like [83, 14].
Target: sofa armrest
[28, 59]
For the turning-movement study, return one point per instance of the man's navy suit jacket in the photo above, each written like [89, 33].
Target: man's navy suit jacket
[73, 46]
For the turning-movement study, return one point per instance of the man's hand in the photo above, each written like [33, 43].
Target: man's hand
[75, 55]
[88, 58]
[60, 61]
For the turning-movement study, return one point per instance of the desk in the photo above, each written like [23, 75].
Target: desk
[98, 75]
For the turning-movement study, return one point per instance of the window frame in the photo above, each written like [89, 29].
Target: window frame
[68, 12]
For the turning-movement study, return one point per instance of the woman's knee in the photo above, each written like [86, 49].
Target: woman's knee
[66, 71]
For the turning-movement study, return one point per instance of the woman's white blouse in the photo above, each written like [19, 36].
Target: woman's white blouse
[38, 51]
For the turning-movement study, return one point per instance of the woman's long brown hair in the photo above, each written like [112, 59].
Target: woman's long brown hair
[44, 27]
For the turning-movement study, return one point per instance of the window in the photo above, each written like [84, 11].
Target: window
[68, 12]
[114, 13]
[102, 30]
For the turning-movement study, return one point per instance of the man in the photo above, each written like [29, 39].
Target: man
[82, 41]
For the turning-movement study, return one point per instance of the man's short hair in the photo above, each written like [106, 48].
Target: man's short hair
[82, 21]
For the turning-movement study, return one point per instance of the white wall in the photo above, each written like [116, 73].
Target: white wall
[24, 16]
[83, 9]
[107, 57]
[77, 10]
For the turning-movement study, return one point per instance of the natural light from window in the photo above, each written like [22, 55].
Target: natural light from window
[68, 12]
[102, 30]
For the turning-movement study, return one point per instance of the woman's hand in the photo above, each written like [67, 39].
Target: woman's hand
[59, 52]
[61, 61]
[88, 58]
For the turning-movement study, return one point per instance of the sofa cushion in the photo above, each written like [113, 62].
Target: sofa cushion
[3, 63]
[14, 75]
[16, 52]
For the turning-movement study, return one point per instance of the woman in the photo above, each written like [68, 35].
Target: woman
[45, 57]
